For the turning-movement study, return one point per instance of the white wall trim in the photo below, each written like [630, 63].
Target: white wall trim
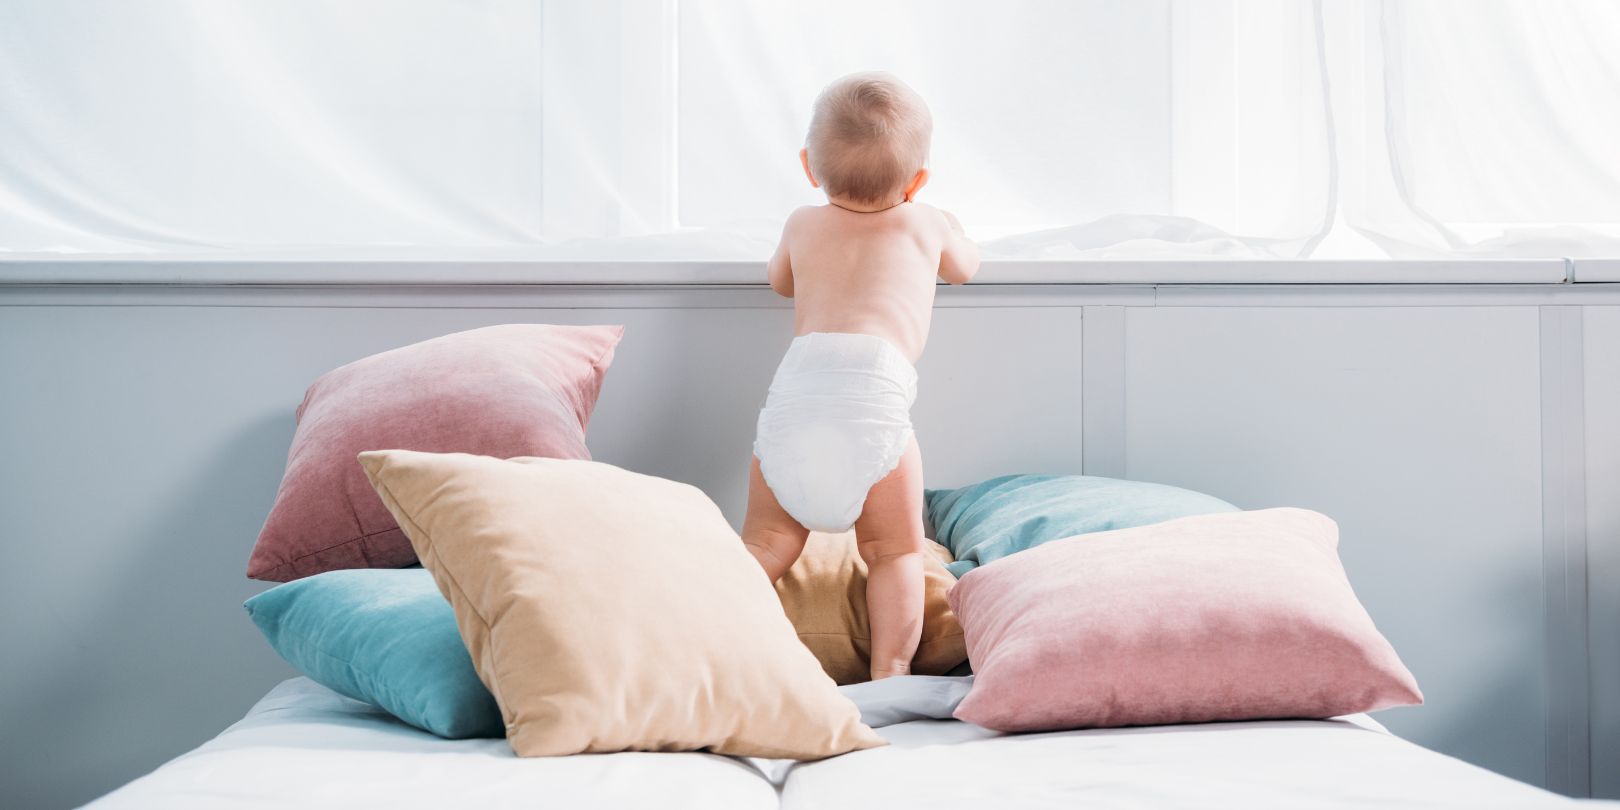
[512, 267]
[609, 296]
[1563, 508]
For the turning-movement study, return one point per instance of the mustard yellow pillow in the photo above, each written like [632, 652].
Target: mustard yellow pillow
[824, 595]
[610, 611]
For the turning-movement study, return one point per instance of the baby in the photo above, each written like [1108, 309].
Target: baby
[834, 446]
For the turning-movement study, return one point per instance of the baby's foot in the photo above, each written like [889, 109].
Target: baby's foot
[890, 670]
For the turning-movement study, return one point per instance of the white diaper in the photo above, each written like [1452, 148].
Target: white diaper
[836, 421]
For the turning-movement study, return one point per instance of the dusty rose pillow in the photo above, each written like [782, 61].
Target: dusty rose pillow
[1237, 616]
[503, 391]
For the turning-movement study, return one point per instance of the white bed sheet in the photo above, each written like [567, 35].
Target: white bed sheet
[306, 746]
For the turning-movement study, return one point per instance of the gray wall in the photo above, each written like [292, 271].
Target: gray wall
[1602, 461]
[144, 430]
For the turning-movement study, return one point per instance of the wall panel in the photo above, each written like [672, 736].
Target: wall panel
[143, 445]
[1602, 360]
[145, 429]
[1418, 430]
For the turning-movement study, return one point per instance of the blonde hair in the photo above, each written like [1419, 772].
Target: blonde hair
[868, 137]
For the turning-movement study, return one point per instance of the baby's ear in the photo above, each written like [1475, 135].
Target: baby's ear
[804, 160]
[918, 180]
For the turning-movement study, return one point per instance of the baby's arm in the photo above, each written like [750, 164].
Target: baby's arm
[959, 258]
[780, 268]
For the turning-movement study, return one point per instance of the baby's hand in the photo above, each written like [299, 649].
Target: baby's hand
[959, 257]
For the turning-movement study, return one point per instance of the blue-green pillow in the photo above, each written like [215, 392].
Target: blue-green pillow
[387, 637]
[987, 521]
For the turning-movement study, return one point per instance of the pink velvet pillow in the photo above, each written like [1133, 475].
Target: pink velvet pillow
[504, 391]
[1237, 616]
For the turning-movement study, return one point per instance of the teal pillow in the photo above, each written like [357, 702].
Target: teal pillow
[987, 521]
[387, 637]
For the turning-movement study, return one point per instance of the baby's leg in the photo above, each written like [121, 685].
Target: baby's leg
[889, 534]
[769, 532]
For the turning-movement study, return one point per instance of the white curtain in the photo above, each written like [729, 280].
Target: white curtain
[669, 128]
[217, 125]
[1485, 128]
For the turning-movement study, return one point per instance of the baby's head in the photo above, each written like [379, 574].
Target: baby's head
[868, 140]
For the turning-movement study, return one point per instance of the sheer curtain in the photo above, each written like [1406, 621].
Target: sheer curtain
[1485, 128]
[1060, 129]
[218, 125]
[669, 128]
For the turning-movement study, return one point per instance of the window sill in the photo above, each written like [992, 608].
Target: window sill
[475, 269]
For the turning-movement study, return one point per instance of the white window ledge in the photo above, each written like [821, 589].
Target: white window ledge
[421, 269]
[1596, 270]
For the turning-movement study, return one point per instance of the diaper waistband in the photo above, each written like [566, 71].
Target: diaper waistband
[848, 350]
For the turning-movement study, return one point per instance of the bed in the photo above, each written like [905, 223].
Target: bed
[304, 745]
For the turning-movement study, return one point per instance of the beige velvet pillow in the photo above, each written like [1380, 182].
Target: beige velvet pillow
[824, 595]
[611, 611]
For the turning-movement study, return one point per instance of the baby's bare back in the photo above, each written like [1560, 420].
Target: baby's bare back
[869, 273]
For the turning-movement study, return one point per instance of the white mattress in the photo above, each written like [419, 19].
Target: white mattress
[304, 745]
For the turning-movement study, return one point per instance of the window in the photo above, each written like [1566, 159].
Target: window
[668, 128]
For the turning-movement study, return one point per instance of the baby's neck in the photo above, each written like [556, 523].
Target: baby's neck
[862, 207]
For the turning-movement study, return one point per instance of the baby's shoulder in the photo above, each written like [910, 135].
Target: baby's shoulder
[804, 218]
[804, 213]
[924, 215]
[926, 223]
